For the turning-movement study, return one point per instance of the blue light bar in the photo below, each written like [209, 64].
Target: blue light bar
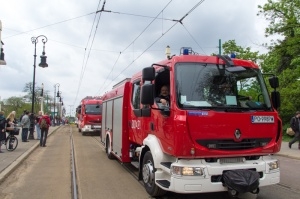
[185, 51]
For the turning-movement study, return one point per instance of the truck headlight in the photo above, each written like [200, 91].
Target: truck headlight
[273, 165]
[187, 171]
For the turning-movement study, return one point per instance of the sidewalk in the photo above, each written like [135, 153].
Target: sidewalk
[9, 160]
[294, 152]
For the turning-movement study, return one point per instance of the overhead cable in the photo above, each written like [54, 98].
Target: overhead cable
[86, 61]
[176, 22]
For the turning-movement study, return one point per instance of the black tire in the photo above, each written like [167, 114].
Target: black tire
[108, 149]
[148, 173]
[11, 143]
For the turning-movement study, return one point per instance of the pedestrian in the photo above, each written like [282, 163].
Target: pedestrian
[294, 124]
[11, 119]
[45, 123]
[2, 129]
[37, 125]
[22, 115]
[25, 123]
[51, 119]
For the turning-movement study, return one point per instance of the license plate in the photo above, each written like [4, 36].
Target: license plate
[97, 127]
[262, 119]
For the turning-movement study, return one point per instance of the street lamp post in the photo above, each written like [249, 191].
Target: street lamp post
[43, 64]
[58, 108]
[55, 95]
[61, 106]
[42, 99]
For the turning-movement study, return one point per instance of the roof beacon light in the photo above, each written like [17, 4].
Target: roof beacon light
[186, 50]
[232, 55]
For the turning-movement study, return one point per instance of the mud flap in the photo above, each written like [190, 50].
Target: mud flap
[241, 181]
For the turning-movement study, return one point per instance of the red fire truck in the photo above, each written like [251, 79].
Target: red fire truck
[89, 114]
[205, 140]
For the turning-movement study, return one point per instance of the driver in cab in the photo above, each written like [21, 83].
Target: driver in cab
[164, 96]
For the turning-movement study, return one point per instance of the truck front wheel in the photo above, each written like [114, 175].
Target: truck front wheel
[148, 173]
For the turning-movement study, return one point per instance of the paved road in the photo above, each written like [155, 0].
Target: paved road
[10, 160]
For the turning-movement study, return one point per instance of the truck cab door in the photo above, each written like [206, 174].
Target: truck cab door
[136, 114]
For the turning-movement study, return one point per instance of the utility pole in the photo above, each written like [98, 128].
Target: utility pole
[220, 47]
[42, 99]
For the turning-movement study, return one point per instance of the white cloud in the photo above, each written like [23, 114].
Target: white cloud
[209, 22]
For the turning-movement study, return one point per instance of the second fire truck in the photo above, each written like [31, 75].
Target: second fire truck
[89, 114]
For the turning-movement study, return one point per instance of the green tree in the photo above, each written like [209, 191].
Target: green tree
[15, 104]
[284, 16]
[37, 93]
[241, 53]
[283, 58]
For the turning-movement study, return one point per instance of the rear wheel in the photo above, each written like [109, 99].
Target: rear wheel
[148, 173]
[108, 149]
[11, 143]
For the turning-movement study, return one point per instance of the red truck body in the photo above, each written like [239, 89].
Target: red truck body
[89, 114]
[188, 146]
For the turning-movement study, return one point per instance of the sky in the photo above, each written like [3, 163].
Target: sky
[88, 51]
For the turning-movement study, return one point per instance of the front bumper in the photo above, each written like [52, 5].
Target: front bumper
[211, 180]
[91, 128]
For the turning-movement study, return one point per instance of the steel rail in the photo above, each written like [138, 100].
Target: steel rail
[73, 167]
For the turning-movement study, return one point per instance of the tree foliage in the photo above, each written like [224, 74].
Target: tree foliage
[283, 57]
[19, 104]
[241, 53]
[284, 18]
[14, 104]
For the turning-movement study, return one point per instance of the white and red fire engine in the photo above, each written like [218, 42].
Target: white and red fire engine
[89, 114]
[205, 140]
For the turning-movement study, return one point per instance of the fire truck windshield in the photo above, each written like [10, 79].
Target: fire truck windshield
[213, 86]
[93, 109]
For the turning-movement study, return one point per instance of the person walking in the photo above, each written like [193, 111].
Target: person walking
[2, 129]
[37, 125]
[44, 123]
[294, 124]
[25, 123]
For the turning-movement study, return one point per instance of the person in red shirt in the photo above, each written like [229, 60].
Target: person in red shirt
[44, 124]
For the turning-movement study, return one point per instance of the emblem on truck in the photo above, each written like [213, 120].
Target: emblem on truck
[237, 134]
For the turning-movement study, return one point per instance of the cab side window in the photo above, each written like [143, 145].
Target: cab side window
[136, 95]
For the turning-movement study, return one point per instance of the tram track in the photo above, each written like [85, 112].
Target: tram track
[129, 167]
[73, 167]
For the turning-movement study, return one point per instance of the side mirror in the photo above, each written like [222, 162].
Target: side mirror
[147, 94]
[274, 83]
[275, 97]
[148, 74]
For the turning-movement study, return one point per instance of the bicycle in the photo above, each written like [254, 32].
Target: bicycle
[11, 140]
